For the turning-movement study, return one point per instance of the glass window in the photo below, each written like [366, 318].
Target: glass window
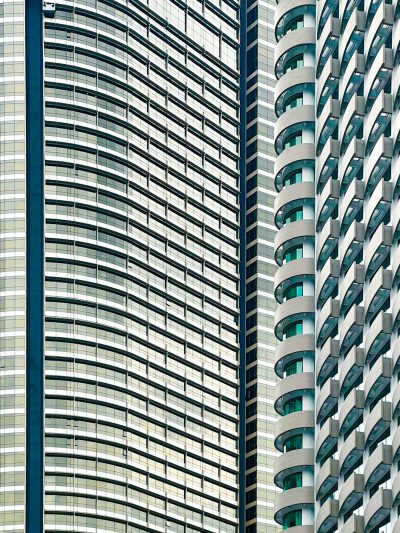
[295, 100]
[293, 139]
[295, 367]
[293, 405]
[293, 215]
[294, 24]
[296, 328]
[294, 62]
[296, 252]
[293, 292]
[293, 481]
[292, 178]
[292, 519]
[293, 443]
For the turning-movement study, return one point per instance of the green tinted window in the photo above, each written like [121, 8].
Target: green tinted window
[296, 367]
[296, 252]
[293, 405]
[296, 328]
[292, 519]
[293, 291]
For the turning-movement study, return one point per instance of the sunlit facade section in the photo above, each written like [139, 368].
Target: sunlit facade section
[141, 117]
[12, 267]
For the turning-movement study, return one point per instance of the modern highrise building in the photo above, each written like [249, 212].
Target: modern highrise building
[338, 253]
[119, 322]
[258, 156]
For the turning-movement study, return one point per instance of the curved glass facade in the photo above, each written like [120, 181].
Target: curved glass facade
[141, 267]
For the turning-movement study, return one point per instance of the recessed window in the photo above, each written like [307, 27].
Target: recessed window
[294, 62]
[293, 292]
[293, 405]
[293, 481]
[293, 443]
[292, 519]
[293, 215]
[295, 100]
[293, 139]
[294, 24]
[292, 178]
[293, 329]
[296, 252]
[295, 367]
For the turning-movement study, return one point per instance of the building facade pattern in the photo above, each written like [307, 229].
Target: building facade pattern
[351, 130]
[258, 84]
[142, 262]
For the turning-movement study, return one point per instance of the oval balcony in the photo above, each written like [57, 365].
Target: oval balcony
[327, 400]
[327, 202]
[292, 349]
[327, 83]
[352, 37]
[377, 510]
[326, 439]
[292, 82]
[293, 424]
[351, 286]
[291, 462]
[351, 369]
[377, 163]
[291, 311]
[352, 245]
[327, 242]
[327, 123]
[352, 202]
[327, 282]
[352, 121]
[377, 422]
[377, 206]
[377, 295]
[327, 321]
[378, 465]
[377, 119]
[327, 42]
[351, 411]
[351, 493]
[351, 80]
[377, 249]
[351, 329]
[326, 163]
[290, 500]
[292, 234]
[291, 159]
[354, 524]
[378, 337]
[327, 516]
[377, 381]
[292, 387]
[327, 361]
[378, 75]
[291, 273]
[351, 452]
[290, 198]
[291, 121]
[378, 31]
[286, 10]
[327, 478]
[293, 42]
[351, 163]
